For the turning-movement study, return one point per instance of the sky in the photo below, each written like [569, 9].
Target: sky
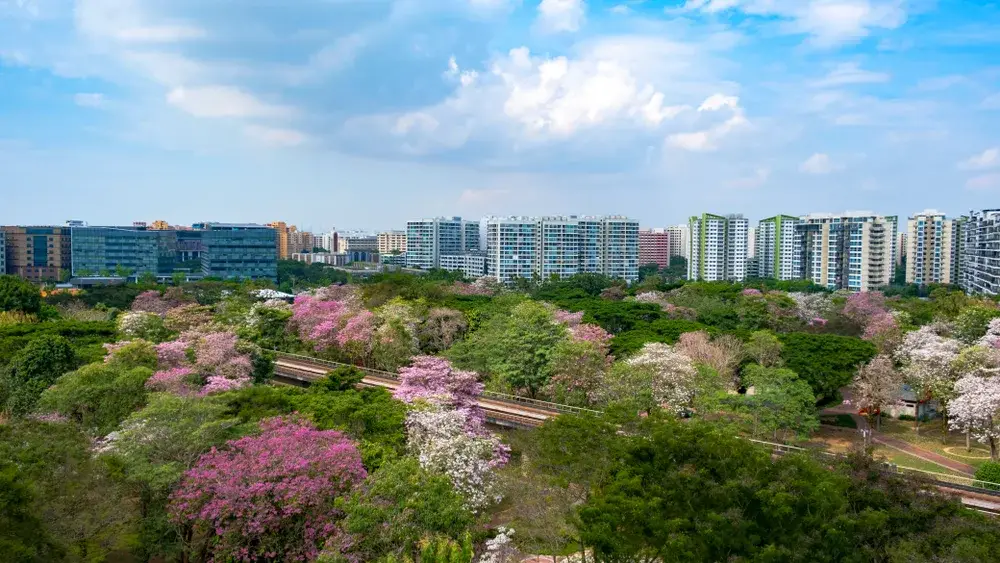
[361, 114]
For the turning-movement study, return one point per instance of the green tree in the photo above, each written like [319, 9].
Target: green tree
[23, 538]
[972, 322]
[33, 370]
[80, 508]
[764, 348]
[827, 362]
[17, 294]
[776, 401]
[152, 450]
[516, 349]
[98, 396]
[399, 505]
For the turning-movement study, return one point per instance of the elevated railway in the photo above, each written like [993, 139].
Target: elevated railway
[521, 412]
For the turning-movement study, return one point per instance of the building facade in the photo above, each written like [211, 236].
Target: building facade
[3, 252]
[160, 225]
[472, 265]
[121, 251]
[901, 248]
[775, 247]
[560, 247]
[853, 251]
[980, 252]
[38, 253]
[933, 244]
[654, 247]
[238, 251]
[393, 242]
[429, 239]
[680, 237]
[329, 258]
[718, 247]
[281, 242]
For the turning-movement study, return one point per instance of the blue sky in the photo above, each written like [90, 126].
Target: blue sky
[364, 113]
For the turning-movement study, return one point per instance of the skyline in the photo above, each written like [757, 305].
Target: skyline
[367, 114]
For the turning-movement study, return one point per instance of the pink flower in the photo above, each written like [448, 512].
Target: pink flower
[591, 333]
[359, 328]
[433, 379]
[567, 318]
[172, 354]
[176, 380]
[751, 292]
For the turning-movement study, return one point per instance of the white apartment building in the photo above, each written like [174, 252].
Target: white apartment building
[680, 237]
[933, 242]
[546, 247]
[429, 239]
[471, 265]
[775, 247]
[979, 270]
[392, 241]
[718, 247]
[751, 243]
[852, 250]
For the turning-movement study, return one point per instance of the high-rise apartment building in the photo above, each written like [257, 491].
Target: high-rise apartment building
[329, 241]
[751, 243]
[654, 247]
[680, 239]
[429, 239]
[472, 265]
[38, 253]
[281, 241]
[901, 248]
[718, 247]
[979, 271]
[394, 242]
[854, 251]
[933, 243]
[546, 247]
[3, 252]
[775, 247]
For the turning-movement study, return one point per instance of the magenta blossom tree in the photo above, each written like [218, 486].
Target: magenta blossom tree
[569, 319]
[864, 305]
[172, 354]
[433, 379]
[272, 496]
[592, 333]
[152, 302]
[178, 380]
[319, 320]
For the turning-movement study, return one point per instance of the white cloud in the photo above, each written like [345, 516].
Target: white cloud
[818, 163]
[984, 182]
[756, 180]
[621, 10]
[274, 136]
[223, 101]
[708, 139]
[827, 22]
[987, 159]
[126, 20]
[89, 100]
[561, 15]
[850, 73]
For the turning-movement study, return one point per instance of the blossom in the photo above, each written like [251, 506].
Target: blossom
[270, 494]
[500, 549]
[926, 358]
[812, 307]
[567, 318]
[152, 302]
[591, 333]
[172, 354]
[992, 337]
[976, 408]
[359, 328]
[433, 379]
[751, 292]
[864, 305]
[138, 324]
[175, 380]
[440, 440]
[673, 375]
[883, 330]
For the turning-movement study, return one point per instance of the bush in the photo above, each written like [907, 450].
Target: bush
[19, 295]
[86, 337]
[988, 476]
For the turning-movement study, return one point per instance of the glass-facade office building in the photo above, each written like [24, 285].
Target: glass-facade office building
[115, 251]
[238, 251]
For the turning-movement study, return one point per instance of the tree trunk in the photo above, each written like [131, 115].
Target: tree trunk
[993, 449]
[968, 440]
[878, 422]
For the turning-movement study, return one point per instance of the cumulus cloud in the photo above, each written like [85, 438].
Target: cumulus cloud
[223, 101]
[561, 15]
[755, 180]
[850, 73]
[817, 164]
[708, 139]
[89, 100]
[989, 158]
[827, 22]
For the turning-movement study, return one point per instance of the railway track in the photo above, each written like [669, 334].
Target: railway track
[521, 412]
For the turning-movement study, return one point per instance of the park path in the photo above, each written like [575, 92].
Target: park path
[902, 445]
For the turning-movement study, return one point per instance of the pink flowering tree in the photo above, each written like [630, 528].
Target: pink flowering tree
[567, 318]
[579, 365]
[224, 367]
[317, 321]
[172, 354]
[883, 331]
[876, 386]
[751, 292]
[153, 302]
[356, 338]
[271, 496]
[434, 380]
[181, 381]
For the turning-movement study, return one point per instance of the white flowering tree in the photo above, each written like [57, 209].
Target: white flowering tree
[976, 408]
[926, 360]
[658, 373]
[442, 443]
[876, 386]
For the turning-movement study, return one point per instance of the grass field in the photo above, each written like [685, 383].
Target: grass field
[933, 437]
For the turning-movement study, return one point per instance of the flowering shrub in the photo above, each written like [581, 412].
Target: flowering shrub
[270, 496]
[591, 333]
[140, 324]
[751, 292]
[172, 354]
[152, 302]
[812, 307]
[500, 549]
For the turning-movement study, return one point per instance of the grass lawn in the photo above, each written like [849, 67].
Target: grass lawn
[933, 437]
[902, 459]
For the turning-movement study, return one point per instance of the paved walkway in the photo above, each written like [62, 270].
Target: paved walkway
[902, 445]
